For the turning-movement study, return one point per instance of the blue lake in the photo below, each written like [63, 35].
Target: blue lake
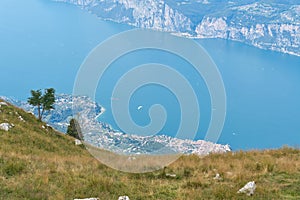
[43, 43]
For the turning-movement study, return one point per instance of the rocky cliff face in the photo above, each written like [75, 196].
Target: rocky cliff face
[267, 26]
[273, 25]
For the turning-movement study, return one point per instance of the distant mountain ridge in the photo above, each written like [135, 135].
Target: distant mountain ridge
[104, 136]
[272, 25]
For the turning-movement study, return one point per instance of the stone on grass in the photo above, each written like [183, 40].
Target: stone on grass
[5, 126]
[21, 118]
[3, 104]
[248, 189]
[88, 199]
[78, 142]
[123, 198]
[131, 158]
[218, 177]
[171, 175]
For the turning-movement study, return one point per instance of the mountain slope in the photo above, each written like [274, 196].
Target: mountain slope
[27, 131]
[40, 163]
[104, 136]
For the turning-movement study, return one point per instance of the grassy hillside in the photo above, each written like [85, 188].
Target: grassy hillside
[40, 163]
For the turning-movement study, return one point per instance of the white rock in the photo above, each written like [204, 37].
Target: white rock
[171, 175]
[218, 177]
[123, 198]
[3, 104]
[131, 158]
[5, 126]
[21, 118]
[77, 142]
[88, 199]
[249, 188]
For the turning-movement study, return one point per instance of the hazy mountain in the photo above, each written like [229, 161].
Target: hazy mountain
[273, 25]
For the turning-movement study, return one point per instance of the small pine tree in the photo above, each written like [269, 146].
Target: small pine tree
[74, 129]
[43, 102]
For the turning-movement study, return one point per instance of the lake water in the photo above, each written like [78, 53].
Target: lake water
[43, 43]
